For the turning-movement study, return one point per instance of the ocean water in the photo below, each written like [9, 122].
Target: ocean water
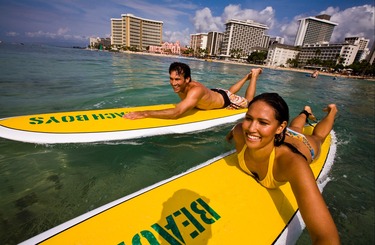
[42, 186]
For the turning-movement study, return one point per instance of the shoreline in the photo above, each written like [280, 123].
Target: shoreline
[262, 66]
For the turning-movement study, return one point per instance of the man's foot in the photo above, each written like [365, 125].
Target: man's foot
[255, 72]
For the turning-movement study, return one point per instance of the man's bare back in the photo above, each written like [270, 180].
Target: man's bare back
[209, 99]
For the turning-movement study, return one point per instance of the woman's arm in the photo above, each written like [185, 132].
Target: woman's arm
[312, 206]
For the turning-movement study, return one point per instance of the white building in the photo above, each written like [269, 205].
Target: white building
[363, 50]
[198, 41]
[279, 54]
[214, 43]
[339, 53]
[314, 30]
[274, 40]
[243, 35]
[97, 42]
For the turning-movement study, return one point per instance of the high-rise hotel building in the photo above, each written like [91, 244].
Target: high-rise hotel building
[313, 30]
[243, 35]
[214, 42]
[132, 31]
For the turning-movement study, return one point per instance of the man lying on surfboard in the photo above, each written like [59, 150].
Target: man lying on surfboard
[195, 95]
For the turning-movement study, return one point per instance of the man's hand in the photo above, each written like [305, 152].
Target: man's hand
[134, 115]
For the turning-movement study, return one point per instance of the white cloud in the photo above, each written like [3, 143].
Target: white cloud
[205, 22]
[355, 21]
[12, 34]
[265, 16]
[62, 31]
[288, 32]
[173, 36]
[60, 34]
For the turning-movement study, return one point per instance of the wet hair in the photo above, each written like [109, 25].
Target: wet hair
[180, 68]
[281, 111]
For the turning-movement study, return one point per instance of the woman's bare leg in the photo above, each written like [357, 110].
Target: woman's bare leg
[324, 127]
[299, 121]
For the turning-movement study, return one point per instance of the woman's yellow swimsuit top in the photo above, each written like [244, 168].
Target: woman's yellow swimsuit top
[268, 181]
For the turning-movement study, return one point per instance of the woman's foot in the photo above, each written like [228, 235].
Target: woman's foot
[331, 109]
[310, 114]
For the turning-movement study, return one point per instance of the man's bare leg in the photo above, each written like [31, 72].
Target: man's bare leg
[250, 91]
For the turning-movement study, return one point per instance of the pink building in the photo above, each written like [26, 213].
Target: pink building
[166, 48]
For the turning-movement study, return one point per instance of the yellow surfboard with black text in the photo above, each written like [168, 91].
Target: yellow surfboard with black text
[108, 124]
[213, 203]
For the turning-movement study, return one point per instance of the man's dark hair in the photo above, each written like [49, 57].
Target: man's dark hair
[180, 68]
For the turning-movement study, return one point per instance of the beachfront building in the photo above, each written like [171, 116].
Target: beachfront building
[338, 53]
[166, 48]
[240, 36]
[136, 32]
[100, 43]
[279, 54]
[314, 30]
[274, 40]
[214, 42]
[198, 42]
[363, 50]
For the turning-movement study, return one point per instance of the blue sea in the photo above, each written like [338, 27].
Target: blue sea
[42, 186]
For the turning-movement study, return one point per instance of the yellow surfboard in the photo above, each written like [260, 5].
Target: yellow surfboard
[213, 203]
[108, 124]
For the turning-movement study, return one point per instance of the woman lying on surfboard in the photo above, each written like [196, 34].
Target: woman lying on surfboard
[195, 95]
[275, 154]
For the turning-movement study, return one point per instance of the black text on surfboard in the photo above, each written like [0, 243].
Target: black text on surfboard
[196, 218]
[76, 118]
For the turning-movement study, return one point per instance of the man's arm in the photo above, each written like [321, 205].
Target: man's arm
[191, 101]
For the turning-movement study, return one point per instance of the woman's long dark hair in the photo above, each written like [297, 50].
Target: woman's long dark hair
[281, 111]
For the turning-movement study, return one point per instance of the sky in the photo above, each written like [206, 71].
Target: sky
[73, 22]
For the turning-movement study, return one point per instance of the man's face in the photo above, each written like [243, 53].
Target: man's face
[178, 82]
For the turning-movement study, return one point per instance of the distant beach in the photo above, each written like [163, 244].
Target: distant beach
[307, 71]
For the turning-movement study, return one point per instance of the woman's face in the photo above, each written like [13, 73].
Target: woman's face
[260, 125]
